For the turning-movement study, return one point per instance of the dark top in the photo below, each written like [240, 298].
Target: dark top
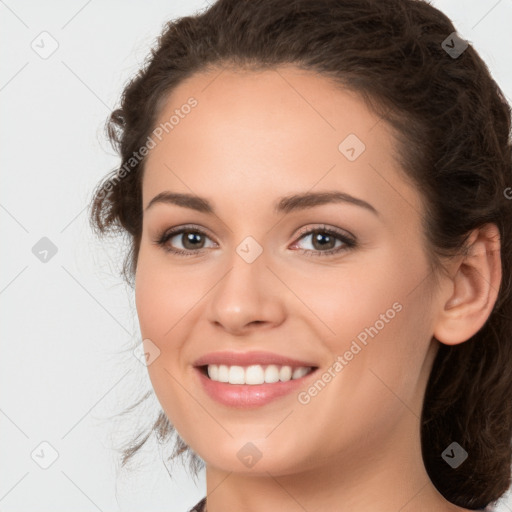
[199, 507]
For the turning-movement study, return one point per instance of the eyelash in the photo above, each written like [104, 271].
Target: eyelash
[349, 243]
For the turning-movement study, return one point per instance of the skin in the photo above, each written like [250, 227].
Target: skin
[253, 138]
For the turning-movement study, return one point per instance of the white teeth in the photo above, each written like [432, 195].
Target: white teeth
[272, 373]
[236, 375]
[223, 373]
[285, 373]
[255, 374]
[299, 372]
[213, 372]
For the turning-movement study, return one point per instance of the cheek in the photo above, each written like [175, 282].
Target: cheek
[163, 294]
[161, 302]
[381, 319]
[351, 299]
[378, 382]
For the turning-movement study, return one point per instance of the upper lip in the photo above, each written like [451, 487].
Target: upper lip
[249, 358]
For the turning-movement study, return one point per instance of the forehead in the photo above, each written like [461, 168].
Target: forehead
[268, 133]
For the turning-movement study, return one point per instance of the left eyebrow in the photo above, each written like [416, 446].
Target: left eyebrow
[312, 199]
[283, 205]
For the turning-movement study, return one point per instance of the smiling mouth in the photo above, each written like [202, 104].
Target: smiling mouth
[255, 374]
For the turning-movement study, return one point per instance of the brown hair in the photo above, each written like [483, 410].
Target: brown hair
[453, 127]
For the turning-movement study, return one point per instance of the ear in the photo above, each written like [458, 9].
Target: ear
[472, 291]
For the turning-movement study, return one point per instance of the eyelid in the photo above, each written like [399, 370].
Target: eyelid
[324, 227]
[176, 230]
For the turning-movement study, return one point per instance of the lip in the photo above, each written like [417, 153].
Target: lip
[244, 396]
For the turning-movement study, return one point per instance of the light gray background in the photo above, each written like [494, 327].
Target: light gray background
[66, 322]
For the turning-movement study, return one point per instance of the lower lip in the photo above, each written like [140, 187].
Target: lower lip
[248, 395]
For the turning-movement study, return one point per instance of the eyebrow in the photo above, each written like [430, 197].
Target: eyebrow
[283, 205]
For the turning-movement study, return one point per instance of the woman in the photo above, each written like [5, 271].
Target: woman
[317, 195]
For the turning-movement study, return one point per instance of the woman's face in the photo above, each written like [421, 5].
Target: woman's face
[353, 299]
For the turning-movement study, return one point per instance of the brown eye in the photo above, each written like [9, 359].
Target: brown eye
[324, 240]
[192, 240]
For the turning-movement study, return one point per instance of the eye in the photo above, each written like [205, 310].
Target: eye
[323, 241]
[190, 237]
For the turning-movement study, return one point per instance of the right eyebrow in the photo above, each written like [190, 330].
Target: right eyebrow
[185, 200]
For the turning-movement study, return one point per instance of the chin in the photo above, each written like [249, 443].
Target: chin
[255, 458]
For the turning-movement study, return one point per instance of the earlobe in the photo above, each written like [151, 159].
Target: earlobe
[473, 289]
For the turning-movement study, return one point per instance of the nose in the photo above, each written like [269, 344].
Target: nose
[248, 296]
